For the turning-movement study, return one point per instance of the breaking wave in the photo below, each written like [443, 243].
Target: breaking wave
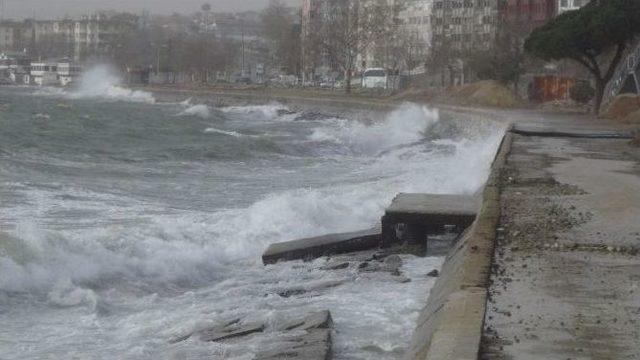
[196, 110]
[192, 246]
[270, 112]
[101, 82]
[405, 125]
[213, 130]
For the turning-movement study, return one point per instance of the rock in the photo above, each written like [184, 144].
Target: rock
[393, 261]
[235, 330]
[391, 265]
[315, 286]
[318, 320]
[433, 273]
[314, 345]
[291, 292]
[402, 279]
[335, 266]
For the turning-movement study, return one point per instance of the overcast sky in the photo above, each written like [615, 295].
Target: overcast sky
[44, 9]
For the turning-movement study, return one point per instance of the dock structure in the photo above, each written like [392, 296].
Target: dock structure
[315, 247]
[412, 216]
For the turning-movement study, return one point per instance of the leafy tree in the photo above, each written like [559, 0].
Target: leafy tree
[582, 92]
[502, 66]
[593, 36]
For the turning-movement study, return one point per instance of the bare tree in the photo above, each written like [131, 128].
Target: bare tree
[349, 27]
[283, 34]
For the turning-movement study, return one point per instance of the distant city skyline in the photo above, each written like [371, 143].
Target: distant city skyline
[50, 9]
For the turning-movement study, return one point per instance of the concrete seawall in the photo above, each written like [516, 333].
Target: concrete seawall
[450, 325]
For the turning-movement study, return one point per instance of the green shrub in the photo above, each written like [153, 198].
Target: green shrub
[582, 92]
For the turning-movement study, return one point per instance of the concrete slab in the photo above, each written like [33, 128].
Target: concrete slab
[318, 320]
[219, 334]
[315, 344]
[570, 131]
[315, 247]
[422, 214]
[565, 271]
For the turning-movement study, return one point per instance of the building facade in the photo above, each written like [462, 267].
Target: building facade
[522, 16]
[317, 64]
[416, 33]
[96, 35]
[460, 29]
[461, 26]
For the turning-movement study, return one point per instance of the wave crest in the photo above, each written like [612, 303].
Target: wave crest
[405, 125]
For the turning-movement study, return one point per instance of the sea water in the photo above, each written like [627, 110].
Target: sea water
[126, 222]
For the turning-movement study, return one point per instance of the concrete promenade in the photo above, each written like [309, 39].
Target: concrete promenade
[565, 279]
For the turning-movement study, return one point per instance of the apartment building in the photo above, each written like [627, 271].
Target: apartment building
[415, 32]
[465, 25]
[95, 35]
[522, 16]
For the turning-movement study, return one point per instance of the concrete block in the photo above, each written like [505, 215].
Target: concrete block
[318, 320]
[422, 214]
[224, 333]
[313, 345]
[315, 247]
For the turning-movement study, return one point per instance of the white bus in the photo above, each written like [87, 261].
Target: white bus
[374, 78]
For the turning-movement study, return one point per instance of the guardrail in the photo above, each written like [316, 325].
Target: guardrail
[628, 67]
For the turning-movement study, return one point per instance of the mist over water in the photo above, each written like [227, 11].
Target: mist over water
[126, 223]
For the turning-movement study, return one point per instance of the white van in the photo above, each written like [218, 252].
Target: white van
[374, 78]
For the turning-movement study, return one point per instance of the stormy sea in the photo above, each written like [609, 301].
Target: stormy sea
[126, 222]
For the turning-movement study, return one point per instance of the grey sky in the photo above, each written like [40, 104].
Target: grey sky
[57, 8]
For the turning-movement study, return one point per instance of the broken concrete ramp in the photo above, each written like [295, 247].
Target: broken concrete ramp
[316, 247]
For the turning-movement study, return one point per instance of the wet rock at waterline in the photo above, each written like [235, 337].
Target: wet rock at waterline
[305, 337]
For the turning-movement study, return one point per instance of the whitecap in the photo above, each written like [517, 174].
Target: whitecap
[213, 130]
[197, 110]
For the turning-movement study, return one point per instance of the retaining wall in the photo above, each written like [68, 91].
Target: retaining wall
[450, 325]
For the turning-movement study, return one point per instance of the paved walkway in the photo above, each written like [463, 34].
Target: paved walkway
[566, 273]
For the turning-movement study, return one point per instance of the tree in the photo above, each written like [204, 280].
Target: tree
[284, 36]
[593, 36]
[503, 63]
[349, 28]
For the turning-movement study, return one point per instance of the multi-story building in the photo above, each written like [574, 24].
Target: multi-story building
[15, 68]
[461, 28]
[44, 73]
[324, 56]
[386, 49]
[317, 64]
[95, 35]
[569, 5]
[520, 17]
[415, 33]
[464, 25]
[7, 37]
[68, 72]
[11, 36]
